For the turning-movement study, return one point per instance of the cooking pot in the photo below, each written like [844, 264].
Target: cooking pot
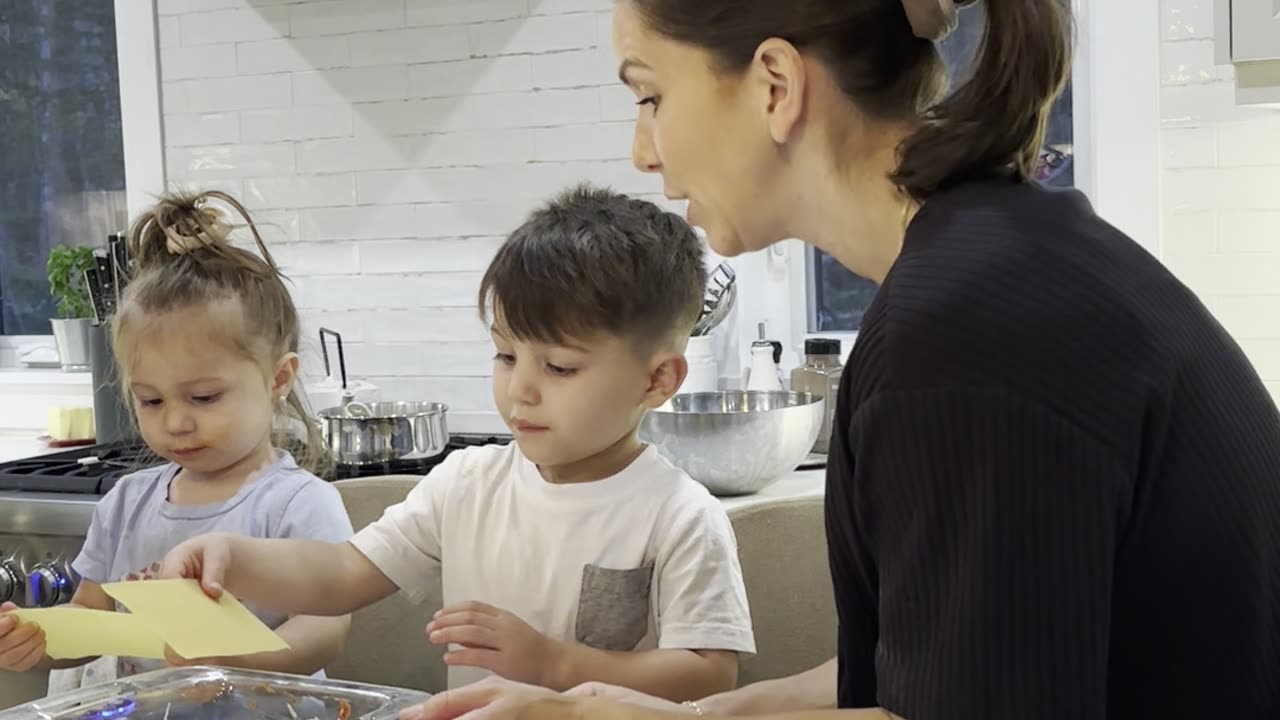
[382, 432]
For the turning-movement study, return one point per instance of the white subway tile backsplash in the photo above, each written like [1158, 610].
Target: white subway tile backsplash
[201, 61]
[1253, 142]
[463, 395]
[574, 68]
[390, 292]
[173, 98]
[482, 147]
[292, 55]
[455, 359]
[598, 141]
[461, 219]
[401, 47]
[459, 12]
[301, 191]
[557, 7]
[481, 112]
[357, 154]
[231, 26]
[1251, 232]
[197, 164]
[1189, 238]
[393, 257]
[367, 222]
[315, 258]
[1186, 19]
[345, 16]
[1244, 188]
[533, 35]
[206, 129]
[485, 75]
[1187, 62]
[238, 93]
[351, 85]
[301, 122]
[1189, 147]
[457, 324]
[1265, 356]
[618, 103]
[169, 30]
[1245, 316]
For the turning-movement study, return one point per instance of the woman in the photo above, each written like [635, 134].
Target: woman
[1054, 488]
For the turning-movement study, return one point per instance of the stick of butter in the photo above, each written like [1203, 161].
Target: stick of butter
[71, 423]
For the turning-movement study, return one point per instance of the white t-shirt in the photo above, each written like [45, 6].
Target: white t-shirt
[642, 560]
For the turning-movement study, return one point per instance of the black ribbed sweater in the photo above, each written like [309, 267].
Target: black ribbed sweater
[1054, 486]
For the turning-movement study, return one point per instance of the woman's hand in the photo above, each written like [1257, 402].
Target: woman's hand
[495, 699]
[627, 696]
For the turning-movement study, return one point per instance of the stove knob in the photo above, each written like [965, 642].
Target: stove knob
[49, 585]
[10, 581]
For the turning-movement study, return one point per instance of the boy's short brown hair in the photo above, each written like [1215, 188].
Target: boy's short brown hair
[594, 260]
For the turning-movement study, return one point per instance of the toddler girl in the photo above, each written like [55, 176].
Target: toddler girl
[206, 339]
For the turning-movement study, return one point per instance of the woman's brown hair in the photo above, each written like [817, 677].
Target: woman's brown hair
[991, 125]
[183, 258]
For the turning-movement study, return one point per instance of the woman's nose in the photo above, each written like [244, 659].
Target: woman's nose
[644, 154]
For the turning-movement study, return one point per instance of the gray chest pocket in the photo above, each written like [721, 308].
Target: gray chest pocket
[613, 608]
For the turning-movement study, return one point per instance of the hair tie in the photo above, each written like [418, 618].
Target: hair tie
[933, 20]
[180, 243]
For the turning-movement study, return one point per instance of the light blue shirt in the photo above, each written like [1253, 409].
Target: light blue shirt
[134, 526]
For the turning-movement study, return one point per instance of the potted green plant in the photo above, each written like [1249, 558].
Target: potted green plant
[66, 268]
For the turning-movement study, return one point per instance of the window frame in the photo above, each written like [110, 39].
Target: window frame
[1116, 128]
[141, 128]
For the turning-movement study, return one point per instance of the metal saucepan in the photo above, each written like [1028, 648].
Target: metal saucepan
[381, 432]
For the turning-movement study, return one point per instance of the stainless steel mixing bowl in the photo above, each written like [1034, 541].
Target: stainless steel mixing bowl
[736, 442]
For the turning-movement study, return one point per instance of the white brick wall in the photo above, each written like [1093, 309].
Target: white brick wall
[388, 145]
[1220, 187]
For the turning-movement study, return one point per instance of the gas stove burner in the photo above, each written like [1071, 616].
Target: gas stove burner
[90, 470]
[96, 469]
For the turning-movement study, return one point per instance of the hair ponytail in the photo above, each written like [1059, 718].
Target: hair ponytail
[994, 124]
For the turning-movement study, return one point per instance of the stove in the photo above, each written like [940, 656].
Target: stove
[95, 469]
[46, 504]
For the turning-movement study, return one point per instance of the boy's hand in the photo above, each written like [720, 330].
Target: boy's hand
[495, 640]
[22, 644]
[204, 558]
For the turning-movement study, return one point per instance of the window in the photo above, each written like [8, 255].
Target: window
[1103, 140]
[836, 297]
[62, 177]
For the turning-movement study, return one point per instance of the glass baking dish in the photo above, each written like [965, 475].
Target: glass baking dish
[203, 693]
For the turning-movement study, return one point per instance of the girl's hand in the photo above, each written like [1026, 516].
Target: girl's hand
[495, 699]
[22, 644]
[494, 640]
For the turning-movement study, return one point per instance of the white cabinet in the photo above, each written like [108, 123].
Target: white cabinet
[1247, 35]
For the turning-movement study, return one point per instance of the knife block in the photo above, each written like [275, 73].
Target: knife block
[111, 419]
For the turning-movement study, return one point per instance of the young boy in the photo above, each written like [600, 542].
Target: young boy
[576, 553]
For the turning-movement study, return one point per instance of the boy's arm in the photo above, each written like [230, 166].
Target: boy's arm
[502, 643]
[300, 577]
[306, 577]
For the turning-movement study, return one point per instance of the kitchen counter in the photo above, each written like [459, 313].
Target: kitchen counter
[801, 483]
[20, 444]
